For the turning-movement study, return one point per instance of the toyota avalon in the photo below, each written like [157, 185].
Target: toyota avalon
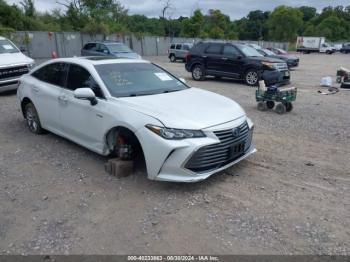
[184, 134]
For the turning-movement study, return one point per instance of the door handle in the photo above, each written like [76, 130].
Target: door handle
[35, 89]
[224, 58]
[63, 98]
[204, 56]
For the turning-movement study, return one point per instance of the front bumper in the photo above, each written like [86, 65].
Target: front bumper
[293, 63]
[276, 77]
[9, 85]
[166, 159]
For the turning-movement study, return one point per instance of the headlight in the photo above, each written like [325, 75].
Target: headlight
[269, 65]
[175, 134]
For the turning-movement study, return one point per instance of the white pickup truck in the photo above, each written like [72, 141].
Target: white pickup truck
[13, 64]
[309, 44]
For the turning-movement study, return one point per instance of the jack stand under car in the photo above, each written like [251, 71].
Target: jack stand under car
[268, 96]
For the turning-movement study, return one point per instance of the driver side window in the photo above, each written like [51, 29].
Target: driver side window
[230, 50]
[79, 77]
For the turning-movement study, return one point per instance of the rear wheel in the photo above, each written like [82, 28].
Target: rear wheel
[289, 106]
[198, 73]
[280, 109]
[172, 58]
[251, 77]
[32, 118]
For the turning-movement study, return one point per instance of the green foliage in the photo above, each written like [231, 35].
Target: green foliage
[109, 16]
[284, 22]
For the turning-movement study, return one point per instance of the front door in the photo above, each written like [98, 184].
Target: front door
[81, 121]
[232, 61]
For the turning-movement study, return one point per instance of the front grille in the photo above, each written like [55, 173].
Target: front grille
[12, 72]
[231, 147]
[281, 66]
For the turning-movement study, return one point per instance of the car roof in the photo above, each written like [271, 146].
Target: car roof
[99, 60]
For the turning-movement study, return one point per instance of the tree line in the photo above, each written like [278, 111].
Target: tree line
[283, 23]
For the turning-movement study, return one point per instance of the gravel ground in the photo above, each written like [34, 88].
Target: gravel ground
[291, 197]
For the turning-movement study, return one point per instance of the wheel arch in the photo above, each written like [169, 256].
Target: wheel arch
[110, 138]
[25, 101]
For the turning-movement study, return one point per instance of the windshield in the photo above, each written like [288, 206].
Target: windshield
[7, 47]
[135, 79]
[119, 48]
[248, 51]
[268, 52]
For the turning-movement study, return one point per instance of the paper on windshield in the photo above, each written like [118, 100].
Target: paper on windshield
[163, 76]
[7, 47]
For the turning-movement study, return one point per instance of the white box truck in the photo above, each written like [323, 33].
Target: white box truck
[309, 44]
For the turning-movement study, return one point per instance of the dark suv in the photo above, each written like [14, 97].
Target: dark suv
[238, 61]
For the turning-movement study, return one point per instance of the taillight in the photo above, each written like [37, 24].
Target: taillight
[188, 57]
[18, 83]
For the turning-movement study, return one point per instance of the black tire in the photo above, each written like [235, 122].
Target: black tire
[280, 109]
[262, 106]
[289, 106]
[270, 104]
[198, 73]
[251, 77]
[32, 118]
[172, 58]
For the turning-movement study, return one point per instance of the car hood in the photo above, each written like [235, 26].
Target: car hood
[192, 108]
[267, 59]
[7, 59]
[127, 55]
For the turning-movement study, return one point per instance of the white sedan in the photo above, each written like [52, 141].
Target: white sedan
[185, 134]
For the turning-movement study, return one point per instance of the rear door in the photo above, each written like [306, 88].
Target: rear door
[213, 58]
[81, 121]
[47, 87]
[178, 51]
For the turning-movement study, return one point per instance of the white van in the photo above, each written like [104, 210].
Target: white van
[13, 64]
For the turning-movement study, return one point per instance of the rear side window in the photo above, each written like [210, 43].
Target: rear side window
[214, 49]
[54, 74]
[186, 47]
[79, 77]
[172, 46]
[90, 46]
[178, 47]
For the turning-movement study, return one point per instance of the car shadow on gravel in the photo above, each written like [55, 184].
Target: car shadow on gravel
[8, 93]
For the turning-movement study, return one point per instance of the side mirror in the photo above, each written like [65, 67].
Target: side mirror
[23, 49]
[183, 80]
[86, 94]
[105, 51]
[239, 57]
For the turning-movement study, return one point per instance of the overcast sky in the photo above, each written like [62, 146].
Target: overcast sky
[234, 8]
